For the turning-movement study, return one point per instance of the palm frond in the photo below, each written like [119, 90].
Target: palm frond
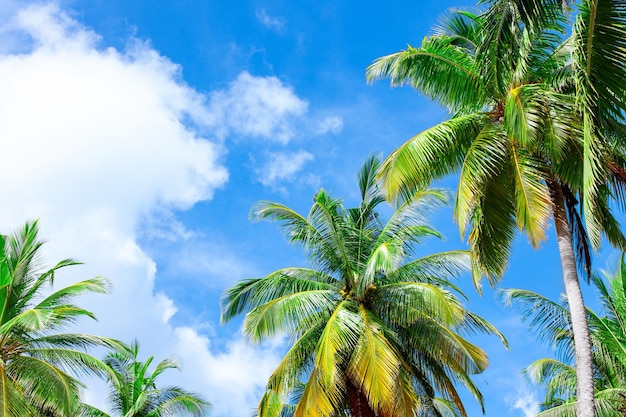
[439, 69]
[431, 154]
[287, 313]
[374, 365]
[252, 292]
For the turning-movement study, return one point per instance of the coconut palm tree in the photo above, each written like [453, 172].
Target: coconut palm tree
[536, 126]
[38, 363]
[375, 330]
[552, 322]
[134, 392]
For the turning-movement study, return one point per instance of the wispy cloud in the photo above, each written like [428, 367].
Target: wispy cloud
[276, 24]
[331, 124]
[283, 167]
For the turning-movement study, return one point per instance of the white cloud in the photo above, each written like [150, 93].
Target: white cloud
[257, 107]
[273, 23]
[283, 166]
[227, 373]
[526, 402]
[95, 139]
[332, 124]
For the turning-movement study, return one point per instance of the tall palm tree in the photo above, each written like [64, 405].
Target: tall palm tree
[552, 322]
[536, 126]
[376, 332]
[134, 391]
[38, 363]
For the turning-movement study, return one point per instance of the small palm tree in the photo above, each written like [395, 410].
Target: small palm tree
[552, 322]
[38, 363]
[376, 331]
[134, 391]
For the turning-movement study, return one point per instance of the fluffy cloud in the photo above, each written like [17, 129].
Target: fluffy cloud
[258, 107]
[526, 402]
[94, 140]
[227, 373]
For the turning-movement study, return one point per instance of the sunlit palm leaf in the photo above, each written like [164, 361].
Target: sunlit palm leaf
[435, 152]
[375, 365]
[439, 69]
[287, 313]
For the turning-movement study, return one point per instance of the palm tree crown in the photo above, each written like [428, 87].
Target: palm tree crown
[37, 362]
[134, 392]
[552, 322]
[375, 330]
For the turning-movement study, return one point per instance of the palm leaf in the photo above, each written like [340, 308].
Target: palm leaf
[439, 69]
[432, 154]
[374, 365]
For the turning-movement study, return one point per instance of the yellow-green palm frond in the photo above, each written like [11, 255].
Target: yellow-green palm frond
[374, 364]
[250, 293]
[288, 313]
[438, 268]
[323, 392]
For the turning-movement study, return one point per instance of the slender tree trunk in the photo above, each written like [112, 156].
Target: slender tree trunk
[585, 406]
[359, 406]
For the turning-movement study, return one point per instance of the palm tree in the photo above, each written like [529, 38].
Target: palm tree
[134, 391]
[536, 126]
[552, 322]
[38, 364]
[376, 332]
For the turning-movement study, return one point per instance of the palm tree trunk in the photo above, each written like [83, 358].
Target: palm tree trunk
[585, 406]
[359, 406]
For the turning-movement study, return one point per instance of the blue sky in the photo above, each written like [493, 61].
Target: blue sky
[141, 132]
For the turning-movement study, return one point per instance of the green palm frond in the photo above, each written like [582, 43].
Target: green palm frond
[96, 285]
[44, 384]
[134, 392]
[485, 159]
[462, 27]
[533, 204]
[174, 401]
[492, 229]
[295, 362]
[13, 402]
[253, 292]
[318, 399]
[446, 408]
[323, 391]
[416, 301]
[599, 38]
[271, 404]
[558, 378]
[47, 277]
[432, 154]
[497, 54]
[438, 268]
[288, 313]
[439, 69]
[548, 318]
